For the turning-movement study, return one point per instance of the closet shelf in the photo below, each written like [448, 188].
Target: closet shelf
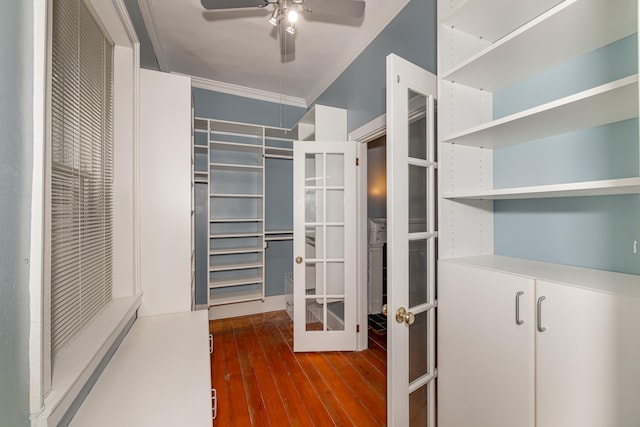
[237, 266]
[237, 195]
[608, 103]
[231, 251]
[236, 167]
[607, 187]
[236, 281]
[235, 146]
[480, 18]
[234, 235]
[224, 220]
[535, 47]
[234, 297]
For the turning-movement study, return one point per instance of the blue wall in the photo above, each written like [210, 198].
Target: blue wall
[361, 87]
[16, 151]
[147, 54]
[595, 232]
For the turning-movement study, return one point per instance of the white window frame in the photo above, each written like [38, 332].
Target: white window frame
[53, 391]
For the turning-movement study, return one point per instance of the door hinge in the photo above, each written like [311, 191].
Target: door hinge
[357, 328]
[357, 161]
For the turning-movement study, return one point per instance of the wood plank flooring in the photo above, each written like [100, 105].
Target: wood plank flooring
[260, 381]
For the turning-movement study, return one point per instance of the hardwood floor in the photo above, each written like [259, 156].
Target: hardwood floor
[260, 381]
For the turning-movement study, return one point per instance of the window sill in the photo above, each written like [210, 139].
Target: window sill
[74, 365]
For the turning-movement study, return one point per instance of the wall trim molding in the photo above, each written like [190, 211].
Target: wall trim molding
[273, 303]
[148, 16]
[246, 92]
[370, 131]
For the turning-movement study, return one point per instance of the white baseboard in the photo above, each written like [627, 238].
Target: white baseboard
[273, 303]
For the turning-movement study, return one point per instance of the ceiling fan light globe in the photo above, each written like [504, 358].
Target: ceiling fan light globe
[292, 16]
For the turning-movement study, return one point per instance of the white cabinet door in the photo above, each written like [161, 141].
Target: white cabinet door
[485, 358]
[588, 358]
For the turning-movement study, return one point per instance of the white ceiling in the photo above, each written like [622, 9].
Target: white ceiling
[237, 51]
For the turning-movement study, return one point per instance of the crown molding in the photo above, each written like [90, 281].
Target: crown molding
[364, 40]
[123, 15]
[246, 92]
[148, 16]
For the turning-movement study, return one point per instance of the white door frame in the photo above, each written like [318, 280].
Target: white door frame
[363, 135]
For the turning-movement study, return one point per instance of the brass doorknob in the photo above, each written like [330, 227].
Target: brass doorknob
[384, 310]
[402, 315]
[409, 318]
[298, 260]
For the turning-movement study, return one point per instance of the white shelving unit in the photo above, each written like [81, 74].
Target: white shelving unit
[486, 49]
[482, 51]
[238, 235]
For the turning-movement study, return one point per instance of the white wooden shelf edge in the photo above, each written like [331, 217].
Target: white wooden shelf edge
[479, 18]
[233, 251]
[213, 284]
[235, 220]
[607, 187]
[236, 167]
[237, 196]
[238, 266]
[235, 146]
[233, 297]
[496, 67]
[230, 235]
[601, 280]
[607, 103]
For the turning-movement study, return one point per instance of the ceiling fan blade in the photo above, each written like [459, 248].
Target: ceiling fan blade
[231, 4]
[347, 8]
[287, 41]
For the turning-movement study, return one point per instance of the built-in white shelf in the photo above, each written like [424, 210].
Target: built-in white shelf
[234, 235]
[232, 251]
[235, 297]
[236, 281]
[578, 189]
[235, 220]
[236, 167]
[608, 103]
[492, 19]
[535, 47]
[237, 266]
[235, 146]
[237, 196]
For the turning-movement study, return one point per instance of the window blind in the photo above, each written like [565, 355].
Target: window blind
[80, 170]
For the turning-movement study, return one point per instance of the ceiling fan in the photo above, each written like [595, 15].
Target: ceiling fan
[286, 13]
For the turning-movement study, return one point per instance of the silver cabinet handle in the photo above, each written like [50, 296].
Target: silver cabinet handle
[540, 327]
[518, 321]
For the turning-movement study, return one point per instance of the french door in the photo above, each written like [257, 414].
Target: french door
[324, 246]
[411, 245]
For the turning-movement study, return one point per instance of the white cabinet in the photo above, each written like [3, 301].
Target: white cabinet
[588, 370]
[164, 195]
[573, 362]
[485, 359]
[323, 123]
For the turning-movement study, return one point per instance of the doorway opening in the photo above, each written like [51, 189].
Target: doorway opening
[376, 233]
